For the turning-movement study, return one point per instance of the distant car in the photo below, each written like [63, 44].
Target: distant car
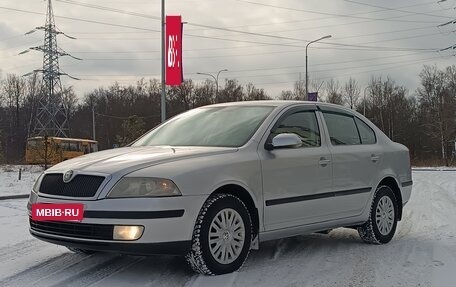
[215, 181]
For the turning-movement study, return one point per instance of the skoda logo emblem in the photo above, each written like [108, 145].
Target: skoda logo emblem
[67, 176]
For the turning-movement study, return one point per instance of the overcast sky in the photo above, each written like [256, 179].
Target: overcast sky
[388, 38]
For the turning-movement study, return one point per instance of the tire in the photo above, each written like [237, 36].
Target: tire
[383, 217]
[81, 251]
[214, 259]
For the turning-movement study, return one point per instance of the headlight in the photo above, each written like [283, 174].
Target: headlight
[36, 186]
[144, 187]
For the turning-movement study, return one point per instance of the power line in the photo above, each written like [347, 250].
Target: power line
[104, 8]
[407, 63]
[20, 45]
[397, 9]
[217, 28]
[256, 54]
[252, 33]
[332, 14]
[82, 20]
[328, 43]
[285, 44]
[287, 67]
[353, 15]
[243, 32]
[357, 73]
[387, 32]
[251, 46]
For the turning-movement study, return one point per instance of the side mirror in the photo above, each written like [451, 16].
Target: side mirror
[285, 140]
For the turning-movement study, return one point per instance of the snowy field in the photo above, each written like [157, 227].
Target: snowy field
[9, 179]
[423, 253]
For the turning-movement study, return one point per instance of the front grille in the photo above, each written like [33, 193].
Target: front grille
[74, 229]
[80, 186]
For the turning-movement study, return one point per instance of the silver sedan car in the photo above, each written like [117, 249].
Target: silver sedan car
[212, 183]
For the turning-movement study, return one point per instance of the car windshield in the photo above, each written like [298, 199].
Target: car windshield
[230, 126]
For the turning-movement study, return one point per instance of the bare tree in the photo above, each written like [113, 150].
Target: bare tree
[69, 102]
[351, 93]
[255, 94]
[299, 90]
[232, 92]
[333, 94]
[131, 129]
[437, 106]
[32, 97]
[13, 90]
[286, 95]
[204, 94]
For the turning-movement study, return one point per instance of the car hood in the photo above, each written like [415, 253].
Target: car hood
[129, 159]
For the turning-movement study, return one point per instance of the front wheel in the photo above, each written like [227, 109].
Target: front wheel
[382, 222]
[222, 236]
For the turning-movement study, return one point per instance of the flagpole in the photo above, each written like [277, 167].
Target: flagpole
[163, 59]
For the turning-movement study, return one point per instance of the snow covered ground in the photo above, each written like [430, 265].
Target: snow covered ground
[9, 179]
[423, 253]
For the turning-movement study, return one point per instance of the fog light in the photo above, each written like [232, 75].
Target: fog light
[123, 232]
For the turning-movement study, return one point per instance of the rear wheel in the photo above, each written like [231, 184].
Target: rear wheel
[222, 236]
[382, 222]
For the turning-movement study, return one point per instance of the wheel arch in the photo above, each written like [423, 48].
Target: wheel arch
[247, 199]
[392, 183]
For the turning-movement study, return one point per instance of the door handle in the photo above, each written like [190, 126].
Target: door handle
[375, 157]
[324, 161]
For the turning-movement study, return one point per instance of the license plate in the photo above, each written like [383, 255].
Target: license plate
[57, 211]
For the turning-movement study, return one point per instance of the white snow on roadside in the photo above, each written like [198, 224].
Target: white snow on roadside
[434, 168]
[9, 179]
[423, 253]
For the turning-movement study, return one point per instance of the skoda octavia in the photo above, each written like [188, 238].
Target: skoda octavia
[213, 183]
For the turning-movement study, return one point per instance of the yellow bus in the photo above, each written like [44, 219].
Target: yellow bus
[55, 149]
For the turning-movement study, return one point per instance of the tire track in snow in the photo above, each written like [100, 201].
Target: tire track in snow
[279, 248]
[36, 274]
[70, 270]
[19, 249]
[157, 270]
[98, 272]
[225, 280]
[82, 263]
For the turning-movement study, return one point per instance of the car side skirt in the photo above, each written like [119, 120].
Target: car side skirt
[311, 228]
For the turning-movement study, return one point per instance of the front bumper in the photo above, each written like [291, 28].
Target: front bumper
[168, 224]
[170, 248]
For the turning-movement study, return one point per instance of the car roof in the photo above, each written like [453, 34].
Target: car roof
[283, 103]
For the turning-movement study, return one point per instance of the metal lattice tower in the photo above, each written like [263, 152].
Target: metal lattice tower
[51, 118]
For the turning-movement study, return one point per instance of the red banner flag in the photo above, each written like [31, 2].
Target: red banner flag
[174, 71]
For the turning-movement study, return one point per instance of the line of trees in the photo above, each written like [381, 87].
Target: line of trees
[424, 119]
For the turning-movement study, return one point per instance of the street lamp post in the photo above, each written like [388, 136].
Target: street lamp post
[307, 76]
[364, 108]
[215, 79]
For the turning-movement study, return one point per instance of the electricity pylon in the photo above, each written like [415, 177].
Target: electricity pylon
[51, 118]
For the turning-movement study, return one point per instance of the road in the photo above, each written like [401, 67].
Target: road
[423, 253]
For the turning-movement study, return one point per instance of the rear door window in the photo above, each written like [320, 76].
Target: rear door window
[366, 133]
[342, 129]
